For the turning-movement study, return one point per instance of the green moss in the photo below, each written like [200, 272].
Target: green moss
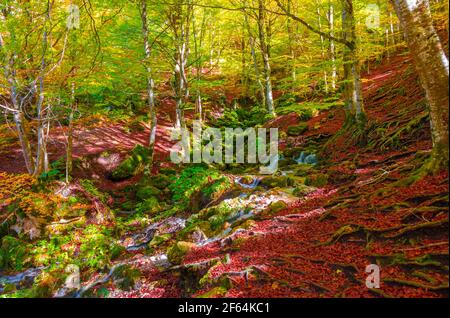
[216, 292]
[275, 207]
[150, 205]
[177, 252]
[277, 182]
[132, 165]
[125, 277]
[148, 192]
[302, 190]
[13, 253]
[317, 180]
[160, 239]
[297, 130]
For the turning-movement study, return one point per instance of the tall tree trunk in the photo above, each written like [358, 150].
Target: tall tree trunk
[41, 113]
[332, 47]
[18, 116]
[254, 58]
[352, 77]
[432, 66]
[69, 151]
[150, 87]
[322, 48]
[264, 46]
[291, 40]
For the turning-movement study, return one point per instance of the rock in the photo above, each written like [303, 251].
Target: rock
[132, 165]
[147, 192]
[125, 277]
[63, 226]
[159, 239]
[302, 190]
[198, 236]
[208, 193]
[303, 170]
[160, 181]
[177, 252]
[317, 180]
[246, 180]
[297, 130]
[277, 182]
[216, 292]
[274, 207]
[150, 205]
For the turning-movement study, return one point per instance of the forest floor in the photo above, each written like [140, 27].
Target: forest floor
[360, 208]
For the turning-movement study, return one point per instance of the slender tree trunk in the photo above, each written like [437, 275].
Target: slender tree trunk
[332, 48]
[69, 151]
[352, 77]
[264, 46]
[150, 87]
[18, 116]
[181, 28]
[41, 115]
[433, 69]
[322, 49]
[291, 38]
[254, 58]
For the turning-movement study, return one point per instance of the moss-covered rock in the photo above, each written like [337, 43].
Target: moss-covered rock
[147, 192]
[303, 170]
[132, 165]
[177, 252]
[150, 205]
[275, 207]
[277, 182]
[302, 190]
[317, 180]
[216, 292]
[160, 239]
[64, 226]
[125, 277]
[208, 193]
[297, 130]
[161, 181]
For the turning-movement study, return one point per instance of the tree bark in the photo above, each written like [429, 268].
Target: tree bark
[150, 87]
[264, 46]
[352, 73]
[432, 66]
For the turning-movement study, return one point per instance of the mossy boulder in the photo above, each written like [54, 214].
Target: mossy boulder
[160, 239]
[64, 226]
[275, 207]
[297, 130]
[208, 193]
[302, 190]
[125, 277]
[150, 205]
[303, 170]
[317, 180]
[132, 165]
[147, 192]
[216, 292]
[277, 182]
[177, 252]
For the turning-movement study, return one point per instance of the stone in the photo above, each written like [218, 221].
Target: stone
[147, 192]
[160, 239]
[177, 252]
[297, 130]
[317, 180]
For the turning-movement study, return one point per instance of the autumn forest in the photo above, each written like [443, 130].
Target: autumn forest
[224, 149]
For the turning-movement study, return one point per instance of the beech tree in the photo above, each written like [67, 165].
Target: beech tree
[431, 63]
